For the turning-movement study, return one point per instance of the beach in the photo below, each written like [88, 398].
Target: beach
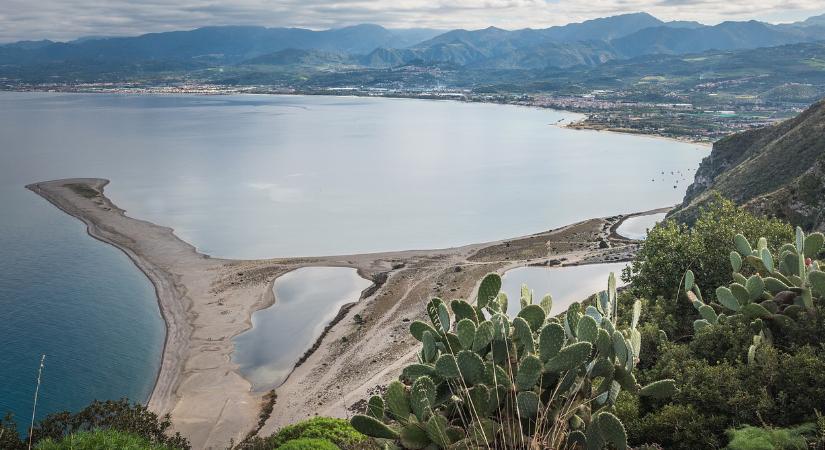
[206, 301]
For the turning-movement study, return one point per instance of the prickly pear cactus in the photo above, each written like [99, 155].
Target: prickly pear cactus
[484, 380]
[770, 290]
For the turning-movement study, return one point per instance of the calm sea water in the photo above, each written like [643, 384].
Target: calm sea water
[78, 301]
[265, 176]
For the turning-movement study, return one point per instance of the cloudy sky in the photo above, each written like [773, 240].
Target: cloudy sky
[69, 19]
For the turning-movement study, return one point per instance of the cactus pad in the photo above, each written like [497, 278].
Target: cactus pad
[551, 339]
[569, 357]
[372, 427]
[529, 372]
[534, 316]
[488, 290]
[471, 366]
[528, 404]
[659, 389]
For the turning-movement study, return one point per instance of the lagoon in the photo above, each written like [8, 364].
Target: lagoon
[636, 227]
[306, 301]
[565, 284]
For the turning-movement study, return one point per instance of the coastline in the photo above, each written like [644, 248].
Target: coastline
[578, 124]
[174, 320]
[206, 301]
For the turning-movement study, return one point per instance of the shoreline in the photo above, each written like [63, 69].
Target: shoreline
[171, 317]
[206, 301]
[579, 124]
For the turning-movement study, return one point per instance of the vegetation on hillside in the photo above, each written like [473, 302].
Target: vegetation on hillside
[733, 319]
[99, 440]
[336, 432]
[777, 170]
[130, 420]
[745, 348]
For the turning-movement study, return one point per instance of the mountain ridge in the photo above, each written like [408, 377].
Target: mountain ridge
[777, 170]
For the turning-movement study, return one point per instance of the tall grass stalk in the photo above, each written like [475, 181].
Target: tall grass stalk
[36, 392]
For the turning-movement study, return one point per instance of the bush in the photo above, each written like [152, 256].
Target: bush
[681, 427]
[672, 248]
[9, 437]
[98, 440]
[309, 444]
[753, 438]
[336, 431]
[119, 415]
[733, 369]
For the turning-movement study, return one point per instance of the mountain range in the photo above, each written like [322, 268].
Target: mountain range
[589, 43]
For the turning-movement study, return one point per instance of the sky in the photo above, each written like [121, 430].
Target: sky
[70, 19]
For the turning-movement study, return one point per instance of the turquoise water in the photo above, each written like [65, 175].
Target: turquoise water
[265, 176]
[80, 302]
[306, 300]
[565, 284]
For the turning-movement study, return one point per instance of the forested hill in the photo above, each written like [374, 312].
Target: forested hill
[777, 170]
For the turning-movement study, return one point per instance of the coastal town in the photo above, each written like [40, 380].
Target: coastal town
[608, 110]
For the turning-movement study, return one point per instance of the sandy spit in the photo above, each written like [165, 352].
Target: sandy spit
[206, 301]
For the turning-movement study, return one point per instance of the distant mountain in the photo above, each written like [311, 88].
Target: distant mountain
[812, 21]
[725, 36]
[587, 44]
[227, 44]
[583, 43]
[777, 170]
[604, 29]
[27, 45]
[685, 24]
[296, 57]
[494, 48]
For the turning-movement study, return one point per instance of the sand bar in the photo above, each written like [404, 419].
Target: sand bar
[206, 301]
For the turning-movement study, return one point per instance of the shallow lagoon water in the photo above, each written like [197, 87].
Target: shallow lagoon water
[566, 284]
[306, 301]
[265, 176]
[637, 227]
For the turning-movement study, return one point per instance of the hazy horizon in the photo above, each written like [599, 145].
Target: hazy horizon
[76, 19]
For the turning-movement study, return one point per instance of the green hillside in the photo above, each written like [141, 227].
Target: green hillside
[777, 170]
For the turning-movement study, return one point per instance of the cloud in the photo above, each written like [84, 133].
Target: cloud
[69, 19]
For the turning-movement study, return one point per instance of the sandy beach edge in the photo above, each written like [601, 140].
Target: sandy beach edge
[166, 290]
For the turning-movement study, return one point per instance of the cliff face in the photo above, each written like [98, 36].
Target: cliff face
[777, 170]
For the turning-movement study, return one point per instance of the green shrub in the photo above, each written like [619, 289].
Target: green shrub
[672, 248]
[754, 357]
[99, 440]
[336, 431]
[680, 427]
[309, 444]
[131, 418]
[753, 438]
[9, 436]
